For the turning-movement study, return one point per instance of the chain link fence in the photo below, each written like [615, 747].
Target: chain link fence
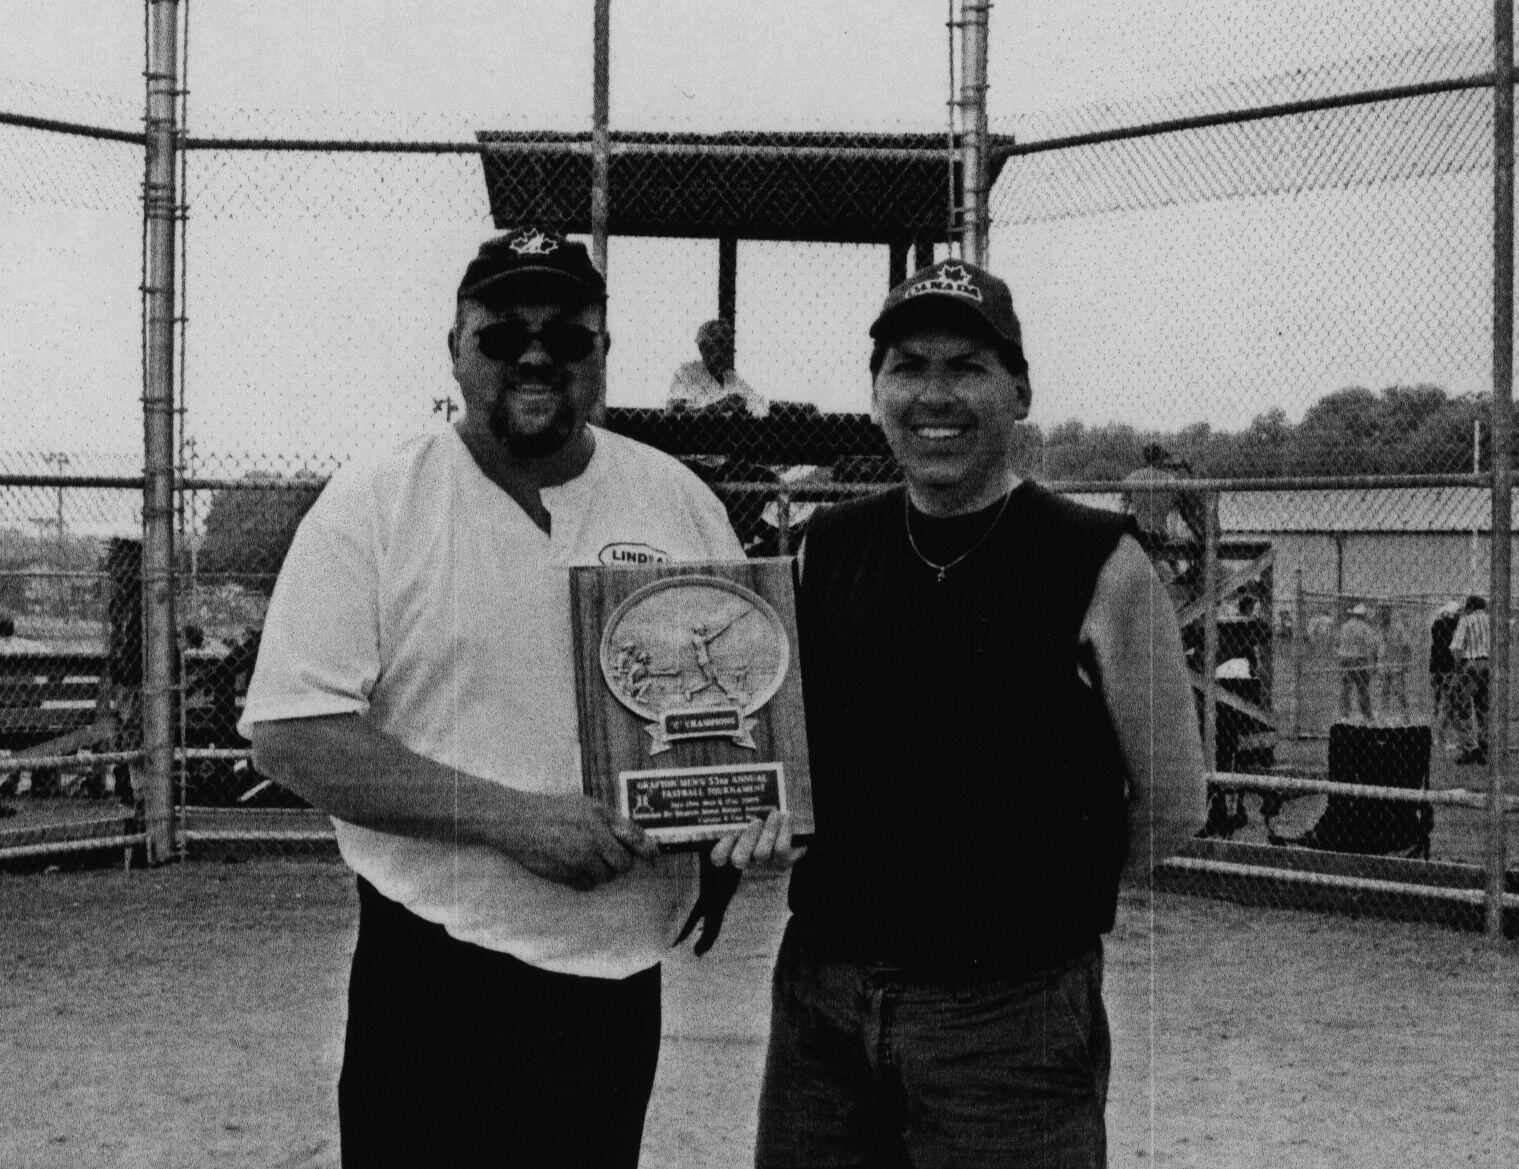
[70, 661]
[1318, 234]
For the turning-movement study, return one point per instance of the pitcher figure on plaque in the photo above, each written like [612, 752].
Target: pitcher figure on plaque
[694, 656]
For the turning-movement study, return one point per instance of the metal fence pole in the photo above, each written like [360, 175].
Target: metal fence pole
[160, 210]
[1210, 629]
[601, 104]
[783, 521]
[1299, 633]
[968, 107]
[1502, 427]
[601, 149]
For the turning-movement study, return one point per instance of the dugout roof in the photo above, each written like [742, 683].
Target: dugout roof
[838, 188]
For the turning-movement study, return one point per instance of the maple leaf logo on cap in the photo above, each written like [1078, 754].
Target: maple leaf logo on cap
[533, 243]
[954, 279]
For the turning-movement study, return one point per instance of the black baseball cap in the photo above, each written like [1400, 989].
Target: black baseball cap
[529, 254]
[950, 287]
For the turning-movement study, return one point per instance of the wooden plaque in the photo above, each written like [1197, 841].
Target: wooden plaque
[690, 695]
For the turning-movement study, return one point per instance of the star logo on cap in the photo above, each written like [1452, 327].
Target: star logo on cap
[533, 243]
[954, 279]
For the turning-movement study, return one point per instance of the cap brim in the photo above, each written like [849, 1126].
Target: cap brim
[543, 276]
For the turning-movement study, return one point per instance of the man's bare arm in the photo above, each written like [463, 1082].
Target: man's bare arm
[1131, 627]
[345, 767]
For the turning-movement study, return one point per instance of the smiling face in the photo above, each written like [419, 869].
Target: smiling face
[948, 406]
[531, 403]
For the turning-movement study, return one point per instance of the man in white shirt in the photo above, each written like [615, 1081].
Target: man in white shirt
[1356, 649]
[415, 680]
[712, 383]
[1472, 646]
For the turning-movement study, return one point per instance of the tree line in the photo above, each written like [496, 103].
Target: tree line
[1401, 430]
[1416, 429]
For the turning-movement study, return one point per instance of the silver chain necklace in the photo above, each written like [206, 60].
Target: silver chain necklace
[941, 569]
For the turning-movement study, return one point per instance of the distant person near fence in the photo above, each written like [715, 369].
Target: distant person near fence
[1472, 646]
[712, 386]
[414, 680]
[1357, 647]
[1153, 511]
[712, 383]
[1443, 679]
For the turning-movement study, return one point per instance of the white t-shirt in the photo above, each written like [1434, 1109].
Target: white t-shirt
[693, 385]
[418, 594]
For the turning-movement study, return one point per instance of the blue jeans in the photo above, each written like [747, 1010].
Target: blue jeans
[870, 1067]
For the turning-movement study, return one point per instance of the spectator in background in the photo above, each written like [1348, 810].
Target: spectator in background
[1170, 522]
[1443, 687]
[1472, 646]
[712, 383]
[1356, 649]
[1397, 657]
[712, 386]
[1151, 509]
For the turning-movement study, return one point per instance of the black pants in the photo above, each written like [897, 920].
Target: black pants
[459, 1056]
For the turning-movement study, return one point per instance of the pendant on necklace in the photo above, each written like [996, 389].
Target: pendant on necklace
[939, 579]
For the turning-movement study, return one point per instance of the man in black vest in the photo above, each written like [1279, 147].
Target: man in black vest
[999, 721]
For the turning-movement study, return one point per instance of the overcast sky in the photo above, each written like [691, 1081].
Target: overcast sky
[1167, 285]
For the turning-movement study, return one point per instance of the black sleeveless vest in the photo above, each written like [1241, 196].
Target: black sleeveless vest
[968, 786]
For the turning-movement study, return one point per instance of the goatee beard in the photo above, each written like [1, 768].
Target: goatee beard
[538, 445]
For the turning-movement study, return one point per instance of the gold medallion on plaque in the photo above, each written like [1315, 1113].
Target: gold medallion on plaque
[694, 657]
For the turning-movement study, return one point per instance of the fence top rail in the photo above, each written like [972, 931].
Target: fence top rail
[1064, 486]
[631, 143]
[129, 482]
[1268, 483]
[77, 129]
[1261, 113]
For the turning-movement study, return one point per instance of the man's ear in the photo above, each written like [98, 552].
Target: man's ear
[1025, 394]
[453, 346]
[606, 343]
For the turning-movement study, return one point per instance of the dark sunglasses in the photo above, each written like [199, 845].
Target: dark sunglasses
[561, 340]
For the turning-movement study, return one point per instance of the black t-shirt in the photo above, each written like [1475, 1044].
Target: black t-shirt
[968, 788]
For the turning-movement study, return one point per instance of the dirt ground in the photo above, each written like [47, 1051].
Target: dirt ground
[192, 1016]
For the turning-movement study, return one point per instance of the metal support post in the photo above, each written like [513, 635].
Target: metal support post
[970, 221]
[1210, 629]
[160, 212]
[783, 521]
[896, 261]
[1501, 453]
[601, 150]
[727, 283]
[1299, 635]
